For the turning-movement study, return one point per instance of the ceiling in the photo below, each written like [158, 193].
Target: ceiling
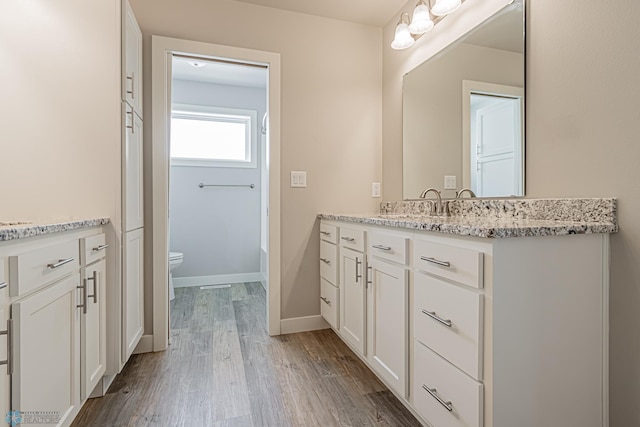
[218, 73]
[369, 12]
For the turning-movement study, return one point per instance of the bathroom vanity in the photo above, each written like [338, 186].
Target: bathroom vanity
[53, 302]
[496, 316]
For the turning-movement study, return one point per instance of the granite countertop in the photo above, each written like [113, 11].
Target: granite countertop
[21, 230]
[478, 226]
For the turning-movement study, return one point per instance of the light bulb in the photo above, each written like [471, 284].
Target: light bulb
[421, 21]
[445, 7]
[403, 37]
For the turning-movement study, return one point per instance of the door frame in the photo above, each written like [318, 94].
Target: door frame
[163, 49]
[470, 87]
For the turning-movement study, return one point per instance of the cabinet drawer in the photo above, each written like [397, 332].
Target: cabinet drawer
[329, 233]
[329, 261]
[454, 263]
[388, 246]
[329, 303]
[448, 319]
[32, 269]
[351, 238]
[92, 249]
[455, 400]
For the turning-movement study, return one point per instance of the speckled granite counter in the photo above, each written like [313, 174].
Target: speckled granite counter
[24, 230]
[497, 218]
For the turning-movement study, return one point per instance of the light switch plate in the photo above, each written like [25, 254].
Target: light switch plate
[298, 179]
[375, 189]
[450, 182]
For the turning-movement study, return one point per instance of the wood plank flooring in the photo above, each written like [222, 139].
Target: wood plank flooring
[222, 369]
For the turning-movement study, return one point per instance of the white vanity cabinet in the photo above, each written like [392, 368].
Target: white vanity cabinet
[329, 290]
[353, 288]
[93, 323]
[44, 277]
[55, 345]
[387, 308]
[481, 332]
[131, 59]
[131, 294]
[4, 339]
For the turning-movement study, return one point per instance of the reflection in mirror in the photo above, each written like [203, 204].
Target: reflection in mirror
[463, 113]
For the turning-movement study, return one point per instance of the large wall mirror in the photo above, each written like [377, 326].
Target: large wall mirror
[463, 113]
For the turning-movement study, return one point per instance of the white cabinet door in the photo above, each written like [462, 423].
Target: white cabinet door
[132, 292]
[352, 297]
[4, 316]
[132, 173]
[131, 59]
[388, 323]
[93, 333]
[46, 374]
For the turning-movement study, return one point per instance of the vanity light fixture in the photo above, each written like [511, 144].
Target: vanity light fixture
[407, 31]
[403, 38]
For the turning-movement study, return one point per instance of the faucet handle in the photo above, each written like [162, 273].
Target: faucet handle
[433, 210]
[445, 211]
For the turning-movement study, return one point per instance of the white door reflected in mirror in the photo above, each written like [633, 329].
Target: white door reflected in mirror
[493, 139]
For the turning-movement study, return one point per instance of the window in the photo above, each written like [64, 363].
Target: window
[212, 136]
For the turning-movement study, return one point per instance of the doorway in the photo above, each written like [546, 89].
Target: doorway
[165, 51]
[493, 139]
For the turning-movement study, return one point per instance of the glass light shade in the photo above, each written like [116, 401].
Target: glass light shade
[403, 37]
[421, 21]
[445, 7]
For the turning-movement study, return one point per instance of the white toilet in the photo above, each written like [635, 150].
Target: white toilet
[175, 260]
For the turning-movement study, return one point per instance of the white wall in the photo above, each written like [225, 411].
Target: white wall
[331, 116]
[59, 109]
[217, 229]
[582, 129]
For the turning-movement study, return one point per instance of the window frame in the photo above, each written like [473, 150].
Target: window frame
[204, 112]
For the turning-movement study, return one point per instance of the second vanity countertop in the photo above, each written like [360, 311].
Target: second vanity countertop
[496, 218]
[478, 227]
[23, 230]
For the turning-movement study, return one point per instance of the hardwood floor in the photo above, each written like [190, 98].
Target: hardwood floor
[222, 369]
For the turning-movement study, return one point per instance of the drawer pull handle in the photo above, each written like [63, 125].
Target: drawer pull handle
[434, 316]
[3, 285]
[369, 275]
[358, 276]
[83, 306]
[326, 233]
[100, 248]
[436, 261]
[326, 261]
[326, 301]
[434, 394]
[348, 239]
[9, 333]
[132, 91]
[60, 263]
[95, 287]
[382, 248]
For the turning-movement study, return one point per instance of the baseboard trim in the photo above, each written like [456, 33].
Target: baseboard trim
[145, 345]
[303, 324]
[219, 279]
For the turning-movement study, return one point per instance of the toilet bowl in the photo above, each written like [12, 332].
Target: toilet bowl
[175, 260]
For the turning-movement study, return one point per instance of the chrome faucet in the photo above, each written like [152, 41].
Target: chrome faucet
[465, 190]
[438, 205]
